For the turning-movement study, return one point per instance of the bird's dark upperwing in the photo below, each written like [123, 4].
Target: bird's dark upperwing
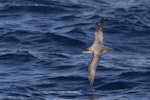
[99, 32]
[92, 67]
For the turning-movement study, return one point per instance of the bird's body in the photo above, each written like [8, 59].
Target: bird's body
[97, 49]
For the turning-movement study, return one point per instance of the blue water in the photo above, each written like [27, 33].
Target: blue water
[41, 45]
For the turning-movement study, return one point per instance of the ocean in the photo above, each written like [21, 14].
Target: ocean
[42, 44]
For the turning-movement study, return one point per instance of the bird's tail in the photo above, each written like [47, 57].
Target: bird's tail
[107, 49]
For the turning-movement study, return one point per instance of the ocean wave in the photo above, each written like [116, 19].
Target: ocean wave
[132, 75]
[118, 85]
[17, 57]
[33, 8]
[63, 39]
[9, 39]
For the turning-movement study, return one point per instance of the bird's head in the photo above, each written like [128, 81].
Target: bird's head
[87, 51]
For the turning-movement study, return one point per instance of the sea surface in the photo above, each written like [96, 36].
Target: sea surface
[42, 44]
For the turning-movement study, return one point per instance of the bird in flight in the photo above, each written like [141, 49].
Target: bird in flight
[97, 49]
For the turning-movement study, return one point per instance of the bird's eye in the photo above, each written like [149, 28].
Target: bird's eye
[87, 50]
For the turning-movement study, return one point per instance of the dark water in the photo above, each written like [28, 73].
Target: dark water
[41, 45]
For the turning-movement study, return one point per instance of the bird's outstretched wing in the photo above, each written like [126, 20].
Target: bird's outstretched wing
[99, 32]
[92, 67]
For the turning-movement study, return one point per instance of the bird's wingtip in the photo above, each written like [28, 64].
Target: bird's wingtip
[100, 25]
[102, 20]
[91, 83]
